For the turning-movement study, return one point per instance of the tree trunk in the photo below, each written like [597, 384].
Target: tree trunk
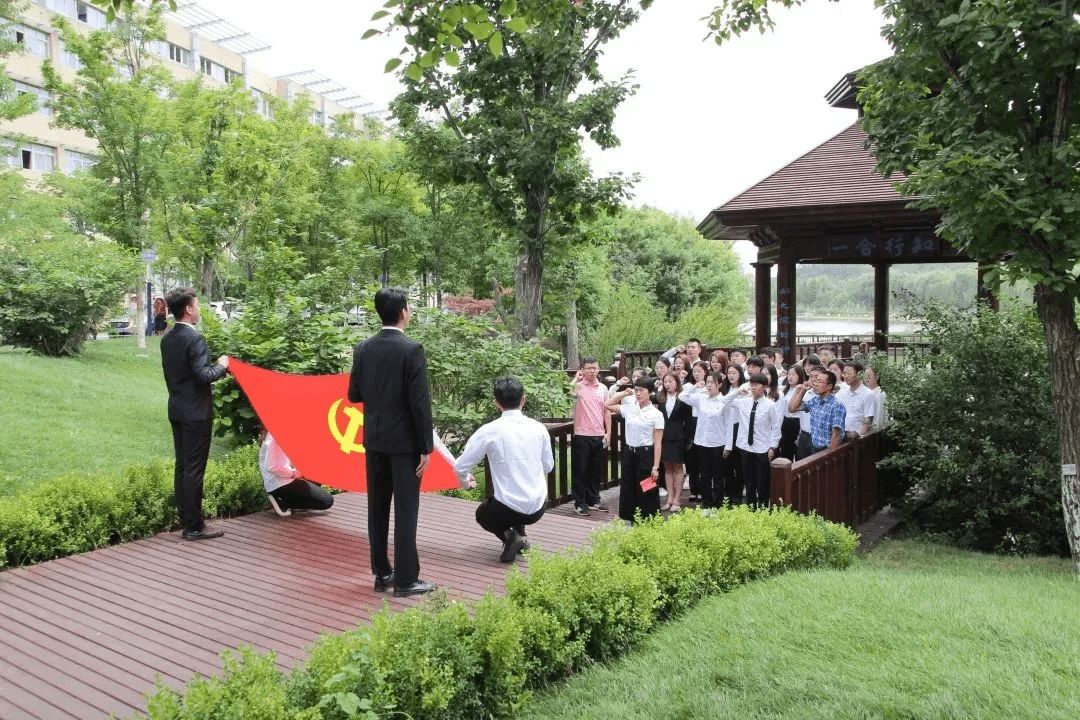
[573, 352]
[528, 275]
[1058, 315]
[207, 278]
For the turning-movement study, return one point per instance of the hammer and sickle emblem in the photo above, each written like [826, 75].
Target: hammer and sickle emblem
[346, 440]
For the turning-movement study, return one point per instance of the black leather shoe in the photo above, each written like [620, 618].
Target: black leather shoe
[205, 533]
[383, 582]
[511, 546]
[417, 588]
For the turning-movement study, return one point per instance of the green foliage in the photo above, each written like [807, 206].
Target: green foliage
[572, 610]
[666, 257]
[631, 322]
[56, 287]
[517, 106]
[72, 513]
[250, 687]
[465, 356]
[975, 433]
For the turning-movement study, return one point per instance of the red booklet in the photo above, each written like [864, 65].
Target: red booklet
[648, 484]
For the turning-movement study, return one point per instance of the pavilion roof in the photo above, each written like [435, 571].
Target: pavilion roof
[837, 176]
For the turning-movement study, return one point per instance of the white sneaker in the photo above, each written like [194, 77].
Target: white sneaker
[663, 492]
[277, 508]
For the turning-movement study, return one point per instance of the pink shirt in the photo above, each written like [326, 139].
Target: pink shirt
[589, 411]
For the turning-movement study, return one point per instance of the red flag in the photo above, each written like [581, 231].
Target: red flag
[312, 419]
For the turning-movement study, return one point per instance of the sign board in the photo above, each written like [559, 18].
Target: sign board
[149, 255]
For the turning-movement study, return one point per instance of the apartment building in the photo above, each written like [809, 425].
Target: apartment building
[197, 43]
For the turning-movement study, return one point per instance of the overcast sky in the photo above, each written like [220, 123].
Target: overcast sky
[707, 122]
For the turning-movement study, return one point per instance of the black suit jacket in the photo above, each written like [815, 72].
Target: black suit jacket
[389, 375]
[676, 427]
[188, 374]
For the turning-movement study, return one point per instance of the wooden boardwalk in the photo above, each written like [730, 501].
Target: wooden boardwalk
[85, 636]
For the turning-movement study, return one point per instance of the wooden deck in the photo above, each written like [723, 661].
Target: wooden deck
[84, 636]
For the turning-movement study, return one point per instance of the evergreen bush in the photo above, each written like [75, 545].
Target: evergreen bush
[75, 513]
[974, 432]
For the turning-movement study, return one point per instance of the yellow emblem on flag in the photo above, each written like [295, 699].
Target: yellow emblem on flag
[346, 440]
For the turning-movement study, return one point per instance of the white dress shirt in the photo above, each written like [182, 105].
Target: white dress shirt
[766, 425]
[712, 420]
[518, 450]
[860, 404]
[640, 423]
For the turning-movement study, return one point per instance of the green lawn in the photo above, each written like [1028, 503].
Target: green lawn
[910, 631]
[95, 413]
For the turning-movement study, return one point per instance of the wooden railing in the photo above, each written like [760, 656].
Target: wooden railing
[560, 481]
[840, 485]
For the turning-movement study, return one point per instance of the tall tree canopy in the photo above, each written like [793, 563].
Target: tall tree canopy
[978, 108]
[518, 103]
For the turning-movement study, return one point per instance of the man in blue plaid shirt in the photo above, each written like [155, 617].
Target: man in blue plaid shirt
[827, 414]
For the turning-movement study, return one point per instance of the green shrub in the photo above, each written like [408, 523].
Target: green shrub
[56, 290]
[74, 513]
[251, 688]
[974, 432]
[605, 604]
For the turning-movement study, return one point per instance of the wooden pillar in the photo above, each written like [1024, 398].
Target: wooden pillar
[881, 306]
[785, 310]
[986, 292]
[762, 295]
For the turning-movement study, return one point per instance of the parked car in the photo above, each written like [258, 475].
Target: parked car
[226, 309]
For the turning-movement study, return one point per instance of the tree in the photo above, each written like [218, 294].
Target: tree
[116, 99]
[517, 104]
[978, 108]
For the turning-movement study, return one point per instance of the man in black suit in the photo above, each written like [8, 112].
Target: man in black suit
[389, 375]
[188, 374]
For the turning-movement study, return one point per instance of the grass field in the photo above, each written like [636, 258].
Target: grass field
[96, 413]
[911, 631]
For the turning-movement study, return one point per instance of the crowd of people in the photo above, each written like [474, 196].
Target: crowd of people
[712, 425]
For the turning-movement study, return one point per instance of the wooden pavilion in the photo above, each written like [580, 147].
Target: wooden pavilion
[828, 206]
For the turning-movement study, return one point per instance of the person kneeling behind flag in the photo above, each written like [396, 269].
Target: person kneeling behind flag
[518, 450]
[285, 488]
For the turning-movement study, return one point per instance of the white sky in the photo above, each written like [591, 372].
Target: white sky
[707, 122]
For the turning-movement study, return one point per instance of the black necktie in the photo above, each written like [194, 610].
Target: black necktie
[750, 432]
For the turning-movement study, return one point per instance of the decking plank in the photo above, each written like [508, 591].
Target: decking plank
[86, 635]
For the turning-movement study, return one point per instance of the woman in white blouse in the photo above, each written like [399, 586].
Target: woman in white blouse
[793, 423]
[712, 425]
[643, 436]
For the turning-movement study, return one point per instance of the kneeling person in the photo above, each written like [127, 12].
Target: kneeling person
[518, 450]
[286, 490]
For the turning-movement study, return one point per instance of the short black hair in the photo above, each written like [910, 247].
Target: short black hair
[756, 360]
[695, 340]
[646, 383]
[390, 303]
[859, 367]
[587, 360]
[760, 379]
[509, 392]
[178, 300]
[830, 377]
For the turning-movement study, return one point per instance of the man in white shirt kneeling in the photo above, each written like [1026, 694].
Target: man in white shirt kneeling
[518, 450]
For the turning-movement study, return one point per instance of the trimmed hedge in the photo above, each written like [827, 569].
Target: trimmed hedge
[573, 609]
[75, 513]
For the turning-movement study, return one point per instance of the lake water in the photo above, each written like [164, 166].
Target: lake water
[837, 326]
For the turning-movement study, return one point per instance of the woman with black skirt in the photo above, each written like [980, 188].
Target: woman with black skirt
[643, 439]
[677, 435]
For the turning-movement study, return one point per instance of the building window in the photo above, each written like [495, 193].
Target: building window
[317, 118]
[68, 58]
[231, 75]
[35, 41]
[41, 94]
[30, 156]
[90, 15]
[179, 55]
[213, 69]
[74, 161]
[262, 103]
